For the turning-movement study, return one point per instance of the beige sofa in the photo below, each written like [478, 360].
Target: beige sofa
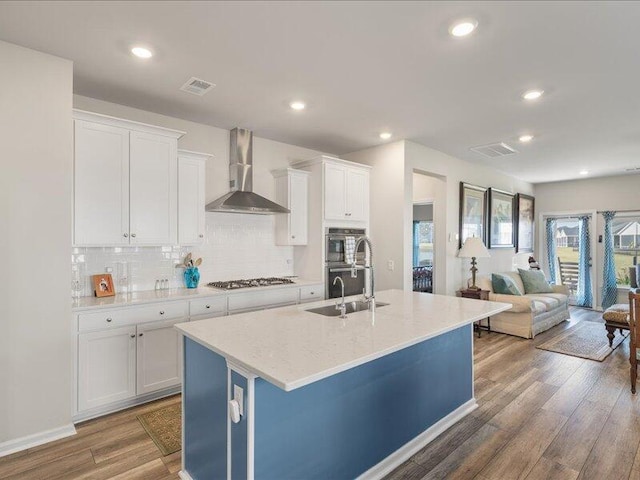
[531, 313]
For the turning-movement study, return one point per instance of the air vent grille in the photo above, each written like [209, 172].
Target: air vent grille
[197, 86]
[494, 150]
[633, 169]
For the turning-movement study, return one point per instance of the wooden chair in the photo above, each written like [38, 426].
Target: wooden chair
[569, 275]
[634, 327]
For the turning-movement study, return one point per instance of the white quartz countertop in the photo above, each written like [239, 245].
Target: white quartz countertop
[153, 296]
[291, 347]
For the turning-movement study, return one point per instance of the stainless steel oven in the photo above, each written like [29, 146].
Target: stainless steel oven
[338, 258]
[337, 241]
[352, 286]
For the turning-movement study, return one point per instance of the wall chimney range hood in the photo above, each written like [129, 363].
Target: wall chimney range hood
[241, 198]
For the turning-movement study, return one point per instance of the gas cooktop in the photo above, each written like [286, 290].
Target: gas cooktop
[250, 282]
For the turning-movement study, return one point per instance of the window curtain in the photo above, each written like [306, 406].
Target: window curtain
[609, 283]
[416, 244]
[551, 248]
[584, 298]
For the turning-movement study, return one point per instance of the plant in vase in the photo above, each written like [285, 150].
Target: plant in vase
[191, 272]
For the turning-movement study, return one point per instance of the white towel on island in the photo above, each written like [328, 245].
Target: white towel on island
[349, 249]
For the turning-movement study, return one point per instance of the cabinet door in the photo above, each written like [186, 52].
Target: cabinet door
[298, 204]
[101, 185]
[106, 367]
[153, 193]
[334, 192]
[159, 356]
[357, 201]
[190, 201]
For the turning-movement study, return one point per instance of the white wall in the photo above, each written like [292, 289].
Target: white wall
[236, 245]
[392, 211]
[387, 203]
[35, 192]
[588, 195]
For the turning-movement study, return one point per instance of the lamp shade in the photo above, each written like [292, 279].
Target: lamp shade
[473, 247]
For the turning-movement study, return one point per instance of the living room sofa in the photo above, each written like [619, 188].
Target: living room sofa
[531, 313]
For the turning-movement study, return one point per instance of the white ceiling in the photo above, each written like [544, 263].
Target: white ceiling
[364, 67]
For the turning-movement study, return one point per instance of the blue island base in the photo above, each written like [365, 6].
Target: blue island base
[361, 422]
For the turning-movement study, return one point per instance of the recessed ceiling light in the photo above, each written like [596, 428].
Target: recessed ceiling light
[462, 28]
[525, 138]
[532, 94]
[584, 172]
[298, 105]
[385, 135]
[142, 52]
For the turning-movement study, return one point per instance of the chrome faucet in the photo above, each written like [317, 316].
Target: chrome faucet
[371, 299]
[341, 306]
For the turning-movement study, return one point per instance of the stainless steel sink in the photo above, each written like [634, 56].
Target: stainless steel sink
[332, 311]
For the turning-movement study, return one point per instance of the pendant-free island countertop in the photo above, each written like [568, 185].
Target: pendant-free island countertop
[291, 347]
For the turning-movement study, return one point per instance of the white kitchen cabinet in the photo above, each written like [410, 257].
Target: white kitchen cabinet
[159, 356]
[106, 367]
[101, 184]
[292, 191]
[191, 197]
[346, 193]
[125, 182]
[153, 200]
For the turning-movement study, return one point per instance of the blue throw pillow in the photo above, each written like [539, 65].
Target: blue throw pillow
[534, 281]
[503, 284]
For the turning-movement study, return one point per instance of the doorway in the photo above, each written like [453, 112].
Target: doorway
[423, 247]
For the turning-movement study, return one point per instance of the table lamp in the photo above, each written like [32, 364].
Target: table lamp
[473, 248]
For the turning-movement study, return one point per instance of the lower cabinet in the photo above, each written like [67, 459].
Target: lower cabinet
[159, 352]
[106, 367]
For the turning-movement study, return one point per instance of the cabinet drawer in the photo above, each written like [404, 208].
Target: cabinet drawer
[131, 316]
[311, 293]
[203, 306]
[258, 300]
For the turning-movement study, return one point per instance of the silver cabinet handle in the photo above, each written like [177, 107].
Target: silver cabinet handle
[207, 306]
[133, 335]
[140, 334]
[312, 293]
[201, 236]
[109, 319]
[347, 214]
[125, 235]
[133, 235]
[293, 236]
[161, 312]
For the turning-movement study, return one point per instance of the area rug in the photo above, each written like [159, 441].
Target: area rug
[584, 340]
[164, 427]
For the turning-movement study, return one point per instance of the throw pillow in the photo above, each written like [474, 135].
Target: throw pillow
[534, 281]
[503, 284]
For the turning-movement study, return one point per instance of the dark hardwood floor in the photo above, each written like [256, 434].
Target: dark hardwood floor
[541, 415]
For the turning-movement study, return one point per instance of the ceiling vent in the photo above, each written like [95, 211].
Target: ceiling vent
[197, 86]
[494, 150]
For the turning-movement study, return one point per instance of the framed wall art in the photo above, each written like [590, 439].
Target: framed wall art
[473, 212]
[525, 219]
[501, 219]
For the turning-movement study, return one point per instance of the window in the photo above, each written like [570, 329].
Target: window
[422, 243]
[626, 245]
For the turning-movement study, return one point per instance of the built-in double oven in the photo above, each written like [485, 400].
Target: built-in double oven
[339, 256]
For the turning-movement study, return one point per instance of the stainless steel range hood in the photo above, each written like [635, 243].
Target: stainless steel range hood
[241, 198]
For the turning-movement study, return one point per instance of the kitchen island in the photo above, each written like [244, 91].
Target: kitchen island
[325, 397]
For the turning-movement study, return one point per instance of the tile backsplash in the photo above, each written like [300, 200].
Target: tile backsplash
[236, 246]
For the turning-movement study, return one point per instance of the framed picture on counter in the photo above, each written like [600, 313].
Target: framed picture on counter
[473, 212]
[501, 219]
[103, 285]
[525, 215]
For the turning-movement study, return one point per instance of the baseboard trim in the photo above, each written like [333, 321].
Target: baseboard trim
[19, 444]
[412, 447]
[184, 475]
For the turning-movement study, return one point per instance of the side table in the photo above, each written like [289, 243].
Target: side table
[477, 295]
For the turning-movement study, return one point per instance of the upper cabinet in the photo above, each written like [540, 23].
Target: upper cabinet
[191, 197]
[346, 192]
[292, 191]
[125, 182]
